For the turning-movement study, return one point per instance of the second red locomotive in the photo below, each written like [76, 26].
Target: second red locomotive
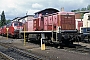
[53, 28]
[13, 29]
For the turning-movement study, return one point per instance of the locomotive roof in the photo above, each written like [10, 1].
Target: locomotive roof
[26, 16]
[46, 10]
[16, 18]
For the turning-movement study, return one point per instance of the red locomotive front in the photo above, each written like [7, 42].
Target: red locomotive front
[14, 28]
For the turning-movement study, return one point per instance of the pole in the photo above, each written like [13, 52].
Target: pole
[87, 28]
[52, 30]
[7, 32]
[87, 23]
[42, 45]
[24, 36]
[56, 35]
[42, 41]
[7, 35]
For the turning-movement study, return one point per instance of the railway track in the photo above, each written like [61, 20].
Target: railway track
[72, 47]
[5, 57]
[17, 54]
[23, 54]
[78, 49]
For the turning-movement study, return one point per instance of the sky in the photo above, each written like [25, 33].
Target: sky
[19, 8]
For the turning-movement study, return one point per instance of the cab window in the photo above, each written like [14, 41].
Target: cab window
[20, 24]
[15, 24]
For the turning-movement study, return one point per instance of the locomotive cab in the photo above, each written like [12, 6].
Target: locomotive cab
[17, 26]
[14, 28]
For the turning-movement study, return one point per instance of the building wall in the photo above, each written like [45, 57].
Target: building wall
[30, 18]
[21, 20]
[77, 15]
[26, 18]
[77, 22]
[86, 22]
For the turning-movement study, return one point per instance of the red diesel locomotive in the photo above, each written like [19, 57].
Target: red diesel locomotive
[13, 29]
[58, 28]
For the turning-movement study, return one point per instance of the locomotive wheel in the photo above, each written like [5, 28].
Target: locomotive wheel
[78, 39]
[13, 37]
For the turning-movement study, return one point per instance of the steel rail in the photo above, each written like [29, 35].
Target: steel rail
[6, 56]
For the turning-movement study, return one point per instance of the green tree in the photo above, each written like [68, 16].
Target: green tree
[83, 9]
[88, 7]
[8, 21]
[0, 23]
[75, 10]
[82, 14]
[3, 19]
[78, 9]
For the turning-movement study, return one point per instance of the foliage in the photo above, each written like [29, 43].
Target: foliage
[0, 23]
[3, 19]
[8, 21]
[82, 14]
[82, 9]
[75, 10]
[88, 7]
